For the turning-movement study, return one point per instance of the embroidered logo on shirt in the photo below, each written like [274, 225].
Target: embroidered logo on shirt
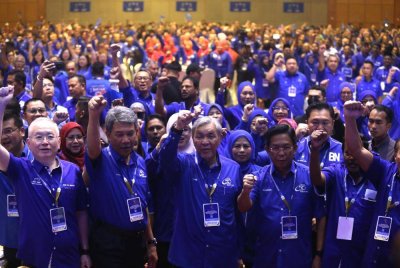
[302, 188]
[267, 190]
[334, 157]
[141, 173]
[36, 181]
[227, 182]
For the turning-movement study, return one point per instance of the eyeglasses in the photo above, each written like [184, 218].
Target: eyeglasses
[8, 131]
[346, 93]
[323, 123]
[41, 138]
[142, 78]
[74, 137]
[36, 110]
[278, 148]
[278, 108]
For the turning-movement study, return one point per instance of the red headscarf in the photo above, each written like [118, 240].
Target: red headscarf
[76, 158]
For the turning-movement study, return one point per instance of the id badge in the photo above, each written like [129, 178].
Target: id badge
[58, 221]
[348, 72]
[219, 63]
[244, 67]
[382, 229]
[135, 209]
[345, 228]
[12, 210]
[313, 77]
[292, 91]
[383, 85]
[289, 227]
[265, 82]
[211, 215]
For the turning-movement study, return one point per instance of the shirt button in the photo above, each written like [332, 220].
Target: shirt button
[207, 246]
[378, 247]
[280, 250]
[208, 231]
[281, 208]
[53, 205]
[54, 248]
[374, 261]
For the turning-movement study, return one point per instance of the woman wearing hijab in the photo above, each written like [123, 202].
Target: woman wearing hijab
[217, 112]
[346, 91]
[72, 138]
[246, 94]
[369, 99]
[279, 109]
[241, 149]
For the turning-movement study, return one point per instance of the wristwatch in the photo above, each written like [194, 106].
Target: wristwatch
[152, 242]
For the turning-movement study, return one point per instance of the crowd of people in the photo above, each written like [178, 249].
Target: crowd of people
[110, 157]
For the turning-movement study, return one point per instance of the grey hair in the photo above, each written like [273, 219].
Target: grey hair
[142, 71]
[120, 114]
[205, 120]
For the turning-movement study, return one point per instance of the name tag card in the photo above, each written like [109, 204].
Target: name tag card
[135, 209]
[348, 72]
[289, 227]
[12, 210]
[345, 228]
[211, 215]
[58, 221]
[292, 91]
[382, 230]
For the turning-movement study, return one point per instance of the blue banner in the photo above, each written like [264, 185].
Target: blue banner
[240, 7]
[79, 7]
[133, 6]
[186, 6]
[293, 7]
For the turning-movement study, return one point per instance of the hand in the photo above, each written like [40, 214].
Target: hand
[184, 119]
[393, 91]
[224, 132]
[392, 71]
[247, 110]
[60, 117]
[162, 139]
[96, 105]
[324, 83]
[197, 110]
[6, 94]
[86, 262]
[114, 49]
[321, 49]
[318, 138]
[115, 72]
[117, 102]
[223, 83]
[261, 126]
[162, 83]
[89, 48]
[279, 61]
[353, 109]
[302, 130]
[46, 69]
[249, 180]
[153, 257]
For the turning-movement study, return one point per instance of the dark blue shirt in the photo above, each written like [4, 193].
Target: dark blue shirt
[271, 250]
[193, 244]
[37, 244]
[372, 84]
[335, 79]
[347, 253]
[108, 192]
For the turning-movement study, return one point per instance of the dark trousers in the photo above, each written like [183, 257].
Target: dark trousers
[10, 256]
[162, 252]
[112, 248]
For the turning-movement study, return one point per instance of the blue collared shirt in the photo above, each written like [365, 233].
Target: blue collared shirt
[22, 98]
[372, 84]
[330, 153]
[335, 79]
[347, 253]
[381, 173]
[37, 244]
[193, 244]
[298, 81]
[271, 249]
[108, 192]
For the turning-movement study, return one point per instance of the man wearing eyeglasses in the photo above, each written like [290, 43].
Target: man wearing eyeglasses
[320, 116]
[283, 203]
[33, 108]
[12, 138]
[51, 198]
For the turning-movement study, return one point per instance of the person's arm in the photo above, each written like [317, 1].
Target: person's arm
[151, 246]
[321, 58]
[6, 94]
[321, 227]
[45, 71]
[159, 101]
[244, 201]
[353, 110]
[391, 73]
[116, 67]
[96, 106]
[318, 138]
[271, 73]
[82, 218]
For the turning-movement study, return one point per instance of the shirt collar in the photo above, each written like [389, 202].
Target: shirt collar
[291, 172]
[203, 163]
[39, 166]
[20, 95]
[119, 159]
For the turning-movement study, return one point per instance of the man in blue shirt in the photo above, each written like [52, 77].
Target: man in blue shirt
[320, 117]
[292, 85]
[207, 185]
[51, 198]
[17, 79]
[119, 193]
[360, 57]
[368, 82]
[350, 200]
[387, 74]
[283, 201]
[77, 88]
[384, 176]
[329, 75]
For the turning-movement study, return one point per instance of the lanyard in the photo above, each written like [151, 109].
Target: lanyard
[58, 191]
[126, 182]
[209, 188]
[283, 198]
[389, 204]
[349, 202]
[321, 164]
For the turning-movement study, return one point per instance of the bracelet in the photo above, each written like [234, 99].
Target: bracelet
[84, 251]
[152, 242]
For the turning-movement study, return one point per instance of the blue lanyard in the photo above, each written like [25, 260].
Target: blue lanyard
[349, 202]
[209, 188]
[59, 188]
[126, 182]
[283, 198]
